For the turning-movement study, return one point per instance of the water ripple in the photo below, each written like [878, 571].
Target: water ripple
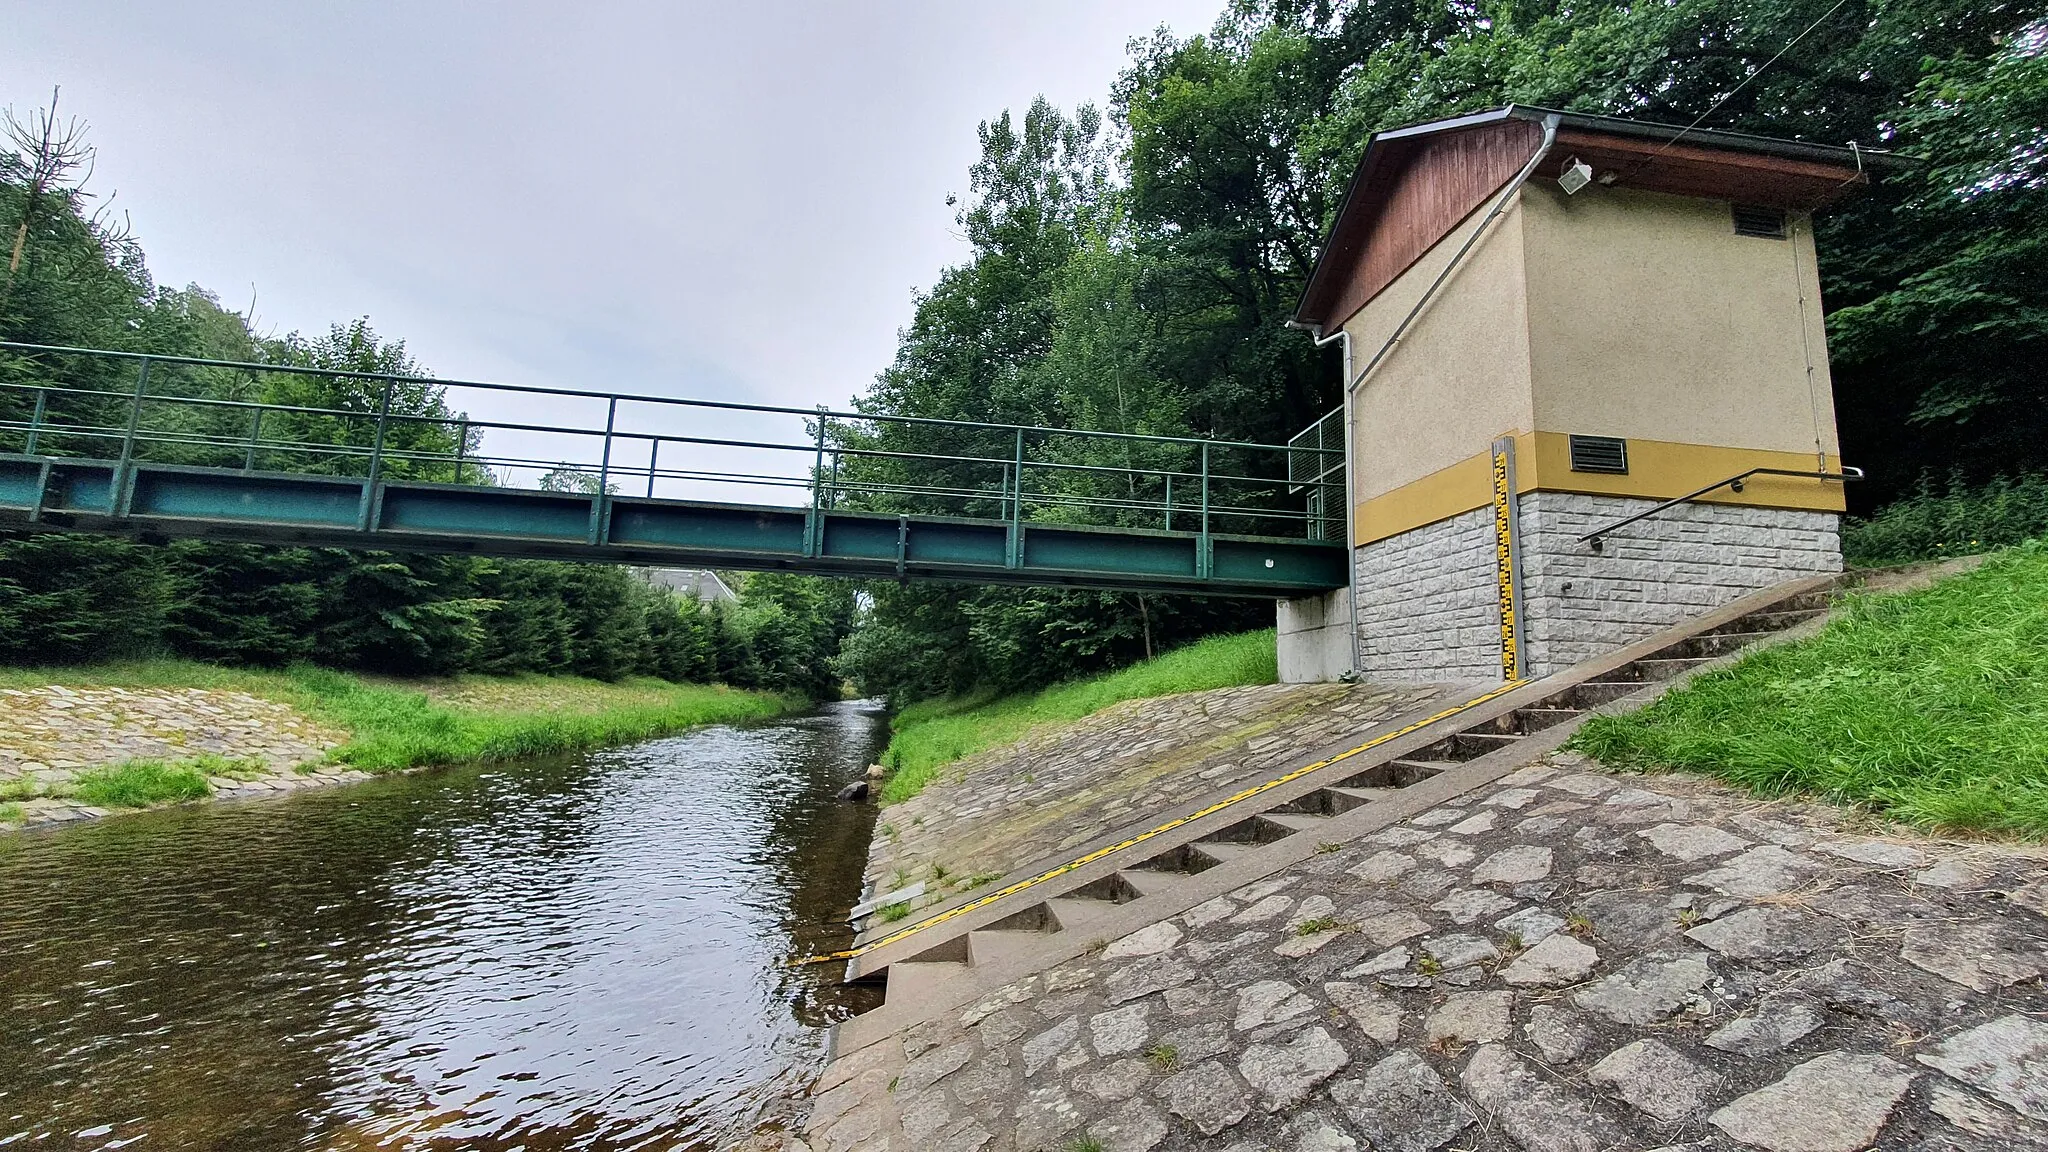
[576, 954]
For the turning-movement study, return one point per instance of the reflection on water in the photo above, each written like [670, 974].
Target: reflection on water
[583, 953]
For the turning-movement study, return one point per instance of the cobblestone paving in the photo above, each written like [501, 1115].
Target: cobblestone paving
[1010, 806]
[48, 735]
[1566, 961]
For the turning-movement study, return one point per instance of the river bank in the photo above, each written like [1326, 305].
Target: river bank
[585, 951]
[78, 743]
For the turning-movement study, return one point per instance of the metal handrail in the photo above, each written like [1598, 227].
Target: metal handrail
[1218, 489]
[1733, 483]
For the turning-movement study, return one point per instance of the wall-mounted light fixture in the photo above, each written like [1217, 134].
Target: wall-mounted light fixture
[1576, 175]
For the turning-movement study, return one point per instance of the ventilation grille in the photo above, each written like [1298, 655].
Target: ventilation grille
[1599, 454]
[1757, 220]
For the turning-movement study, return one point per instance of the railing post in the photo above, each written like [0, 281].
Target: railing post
[1169, 501]
[461, 447]
[35, 421]
[600, 504]
[1013, 547]
[1203, 558]
[366, 510]
[255, 435]
[122, 495]
[814, 527]
[653, 465]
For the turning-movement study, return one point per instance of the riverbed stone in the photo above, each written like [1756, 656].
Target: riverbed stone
[1456, 950]
[1120, 1030]
[1656, 1079]
[1646, 990]
[1767, 870]
[1375, 1015]
[1469, 904]
[1472, 1017]
[1208, 1096]
[1283, 1074]
[1150, 974]
[1530, 925]
[1690, 842]
[1980, 957]
[1833, 1103]
[1555, 961]
[1136, 1127]
[1764, 934]
[1539, 1115]
[1559, 1033]
[1040, 1049]
[1514, 866]
[1270, 1001]
[1392, 928]
[1771, 1028]
[1403, 1105]
[1147, 941]
[2006, 1058]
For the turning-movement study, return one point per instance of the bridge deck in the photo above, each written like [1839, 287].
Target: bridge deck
[62, 493]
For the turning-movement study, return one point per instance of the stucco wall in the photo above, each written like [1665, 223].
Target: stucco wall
[1428, 604]
[1650, 318]
[1460, 375]
[1681, 563]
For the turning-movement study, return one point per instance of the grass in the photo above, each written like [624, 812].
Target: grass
[1927, 707]
[139, 784]
[393, 725]
[10, 813]
[932, 734]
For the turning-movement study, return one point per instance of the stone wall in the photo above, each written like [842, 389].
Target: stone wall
[1428, 604]
[1678, 564]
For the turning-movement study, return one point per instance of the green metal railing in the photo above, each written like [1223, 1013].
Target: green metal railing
[135, 409]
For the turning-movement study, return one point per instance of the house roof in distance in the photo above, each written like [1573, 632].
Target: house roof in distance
[1414, 184]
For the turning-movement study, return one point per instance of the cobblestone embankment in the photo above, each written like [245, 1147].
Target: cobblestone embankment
[1565, 961]
[48, 735]
[1002, 809]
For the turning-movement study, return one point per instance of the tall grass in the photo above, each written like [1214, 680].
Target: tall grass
[1952, 520]
[934, 733]
[139, 784]
[1929, 707]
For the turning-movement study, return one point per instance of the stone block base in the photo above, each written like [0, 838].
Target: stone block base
[1429, 604]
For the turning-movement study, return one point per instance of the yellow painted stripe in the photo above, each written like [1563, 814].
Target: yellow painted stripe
[1082, 861]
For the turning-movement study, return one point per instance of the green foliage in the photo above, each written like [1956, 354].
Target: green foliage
[1957, 520]
[1928, 707]
[139, 784]
[464, 720]
[11, 813]
[1144, 288]
[933, 734]
[85, 599]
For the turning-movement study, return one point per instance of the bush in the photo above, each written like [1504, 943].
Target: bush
[1956, 520]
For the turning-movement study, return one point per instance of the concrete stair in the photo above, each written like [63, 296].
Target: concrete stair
[1146, 883]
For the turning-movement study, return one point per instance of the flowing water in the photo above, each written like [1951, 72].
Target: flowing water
[583, 953]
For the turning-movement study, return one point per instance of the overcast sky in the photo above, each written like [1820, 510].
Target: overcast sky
[713, 200]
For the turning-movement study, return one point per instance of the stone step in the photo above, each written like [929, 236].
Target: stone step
[1222, 851]
[1594, 693]
[1296, 821]
[1772, 621]
[1087, 917]
[1537, 719]
[1154, 882]
[1660, 668]
[1115, 888]
[1465, 746]
[987, 946]
[1717, 644]
[1333, 801]
[911, 980]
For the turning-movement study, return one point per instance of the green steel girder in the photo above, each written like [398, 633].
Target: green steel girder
[288, 509]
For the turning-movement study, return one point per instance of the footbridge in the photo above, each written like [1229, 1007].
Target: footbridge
[156, 447]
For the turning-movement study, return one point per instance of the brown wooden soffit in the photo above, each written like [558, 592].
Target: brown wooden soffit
[1685, 169]
[1413, 188]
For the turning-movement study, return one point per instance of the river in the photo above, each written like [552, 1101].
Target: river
[580, 953]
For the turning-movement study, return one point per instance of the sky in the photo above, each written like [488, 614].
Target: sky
[712, 200]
